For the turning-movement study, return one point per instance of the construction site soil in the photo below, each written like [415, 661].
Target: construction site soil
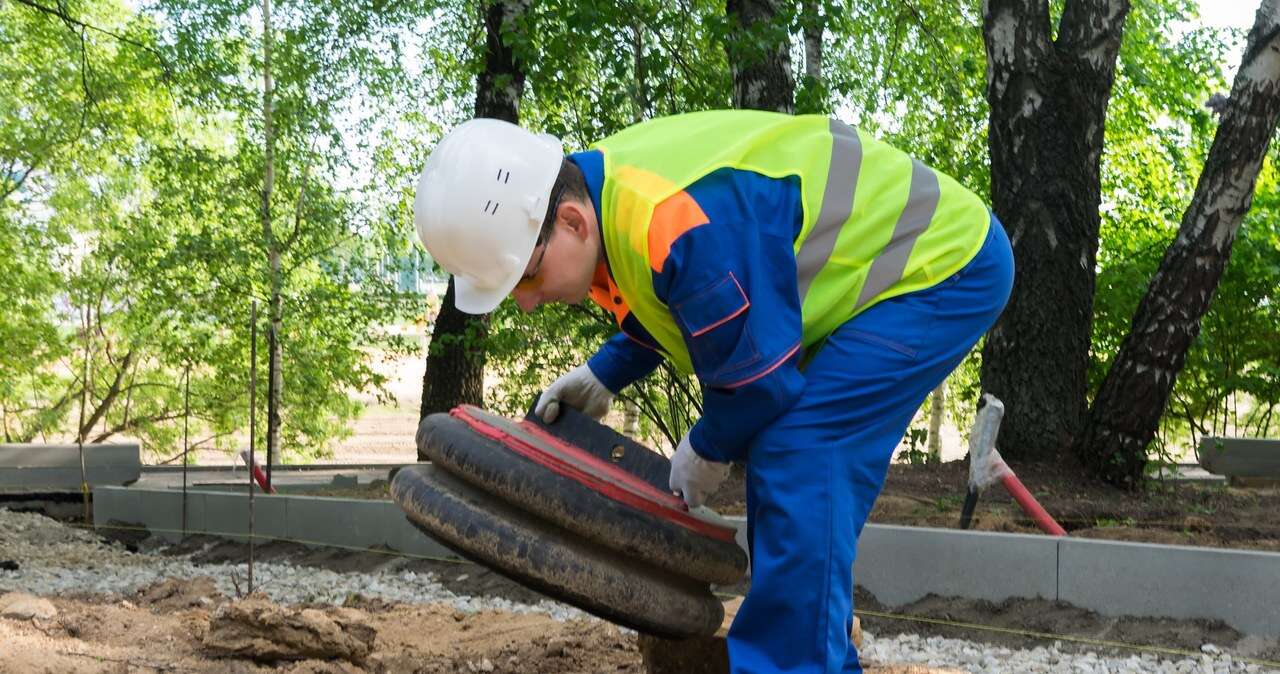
[189, 627]
[1173, 512]
[168, 629]
[1004, 623]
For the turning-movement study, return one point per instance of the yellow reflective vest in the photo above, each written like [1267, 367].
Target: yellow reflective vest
[877, 223]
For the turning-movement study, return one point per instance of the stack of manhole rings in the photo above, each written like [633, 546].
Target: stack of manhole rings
[575, 511]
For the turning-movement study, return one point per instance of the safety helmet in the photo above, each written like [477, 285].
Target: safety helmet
[481, 200]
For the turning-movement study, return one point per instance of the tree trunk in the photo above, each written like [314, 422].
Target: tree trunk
[1048, 108]
[937, 411]
[640, 99]
[812, 95]
[1126, 412]
[456, 355]
[759, 51]
[275, 374]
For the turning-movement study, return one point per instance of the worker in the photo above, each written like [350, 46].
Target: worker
[818, 282]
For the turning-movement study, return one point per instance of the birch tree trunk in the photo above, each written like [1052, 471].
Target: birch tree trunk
[937, 411]
[759, 52]
[812, 96]
[1127, 410]
[275, 374]
[456, 354]
[1048, 103]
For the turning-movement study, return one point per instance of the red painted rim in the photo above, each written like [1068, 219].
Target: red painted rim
[593, 473]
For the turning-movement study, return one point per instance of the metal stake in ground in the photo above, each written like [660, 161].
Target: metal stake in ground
[253, 417]
[186, 415]
[84, 402]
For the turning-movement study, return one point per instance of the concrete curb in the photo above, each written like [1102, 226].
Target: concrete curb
[897, 564]
[1240, 587]
[29, 468]
[357, 524]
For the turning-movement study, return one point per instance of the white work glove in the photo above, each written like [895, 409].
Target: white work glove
[578, 388]
[694, 477]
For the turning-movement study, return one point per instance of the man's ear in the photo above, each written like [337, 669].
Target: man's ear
[574, 217]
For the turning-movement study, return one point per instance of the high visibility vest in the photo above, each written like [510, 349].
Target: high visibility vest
[877, 223]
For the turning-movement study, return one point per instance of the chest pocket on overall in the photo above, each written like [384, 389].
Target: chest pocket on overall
[714, 323]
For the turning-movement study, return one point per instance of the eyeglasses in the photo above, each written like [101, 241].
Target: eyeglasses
[526, 281]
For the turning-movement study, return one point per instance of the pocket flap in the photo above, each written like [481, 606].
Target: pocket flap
[713, 306]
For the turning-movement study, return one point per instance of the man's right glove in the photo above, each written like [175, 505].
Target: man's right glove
[578, 388]
[694, 477]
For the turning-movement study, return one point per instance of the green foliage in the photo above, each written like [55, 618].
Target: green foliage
[914, 74]
[132, 159]
[917, 451]
[142, 219]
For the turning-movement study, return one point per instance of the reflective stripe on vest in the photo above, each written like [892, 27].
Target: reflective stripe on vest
[837, 205]
[876, 223]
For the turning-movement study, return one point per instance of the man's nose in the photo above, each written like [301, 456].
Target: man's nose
[527, 300]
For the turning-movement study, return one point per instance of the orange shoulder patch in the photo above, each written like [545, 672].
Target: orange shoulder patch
[676, 215]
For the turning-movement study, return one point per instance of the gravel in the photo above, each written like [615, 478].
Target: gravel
[986, 659]
[55, 559]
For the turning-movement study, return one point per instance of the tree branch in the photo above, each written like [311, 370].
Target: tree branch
[1091, 30]
[110, 397]
[134, 423]
[61, 13]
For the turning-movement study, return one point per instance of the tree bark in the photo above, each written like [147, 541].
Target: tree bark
[812, 23]
[640, 97]
[812, 96]
[937, 411]
[275, 305]
[759, 52]
[1126, 412]
[1048, 103]
[456, 356]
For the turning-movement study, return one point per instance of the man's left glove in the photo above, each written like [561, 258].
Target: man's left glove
[694, 477]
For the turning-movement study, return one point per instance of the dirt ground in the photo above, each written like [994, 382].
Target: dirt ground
[427, 640]
[92, 634]
[1192, 513]
[168, 629]
[1048, 617]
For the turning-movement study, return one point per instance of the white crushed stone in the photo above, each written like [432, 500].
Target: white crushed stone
[55, 559]
[988, 659]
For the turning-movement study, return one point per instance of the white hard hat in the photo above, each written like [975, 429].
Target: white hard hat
[480, 202]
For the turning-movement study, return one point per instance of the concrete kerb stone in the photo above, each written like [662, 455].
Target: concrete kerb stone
[37, 467]
[901, 564]
[310, 520]
[227, 515]
[325, 521]
[1239, 587]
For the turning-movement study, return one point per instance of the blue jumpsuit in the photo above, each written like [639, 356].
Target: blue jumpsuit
[816, 441]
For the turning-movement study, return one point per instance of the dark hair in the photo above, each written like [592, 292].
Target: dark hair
[569, 183]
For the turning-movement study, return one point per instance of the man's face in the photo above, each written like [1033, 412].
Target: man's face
[563, 266]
